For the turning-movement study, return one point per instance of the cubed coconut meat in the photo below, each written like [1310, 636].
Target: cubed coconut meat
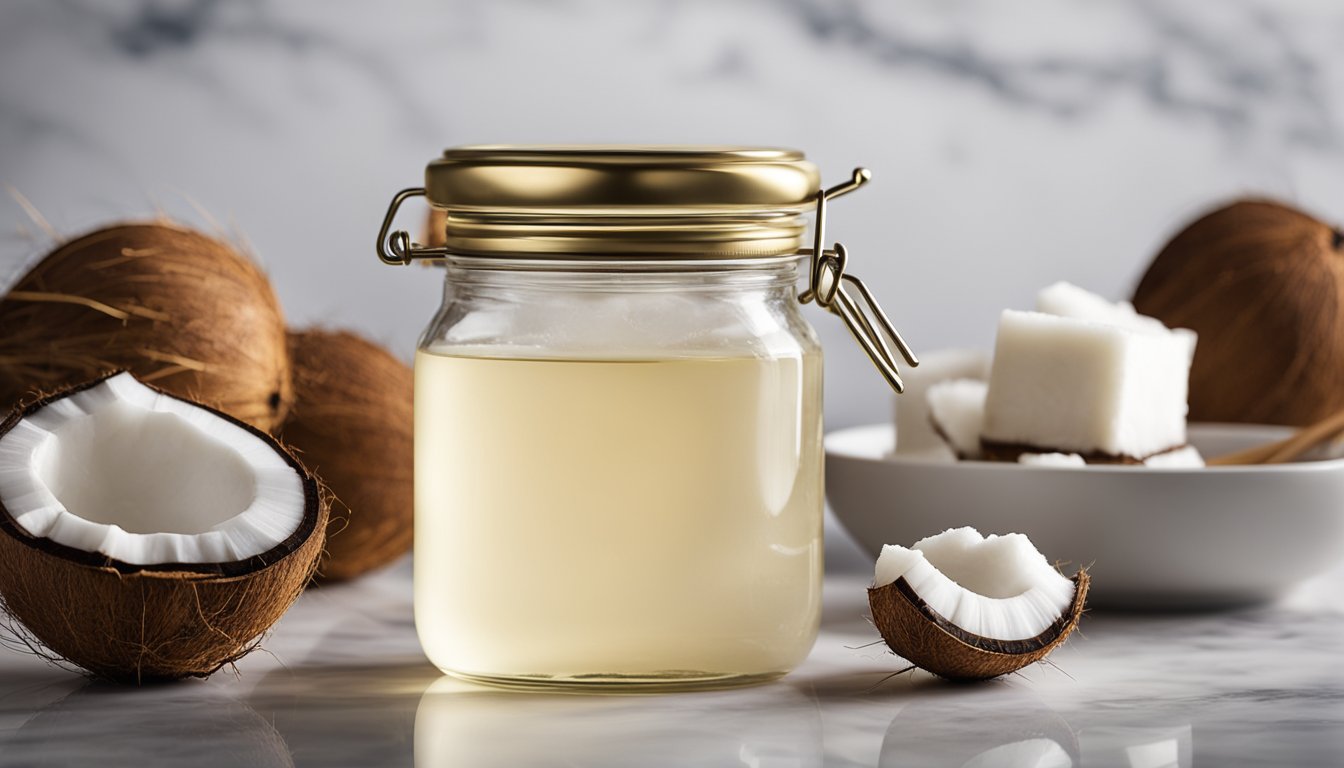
[957, 412]
[1061, 384]
[1185, 457]
[1052, 460]
[914, 426]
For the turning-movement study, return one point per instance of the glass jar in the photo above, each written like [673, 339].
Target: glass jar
[618, 421]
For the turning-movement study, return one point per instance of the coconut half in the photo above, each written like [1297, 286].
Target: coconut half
[968, 607]
[146, 537]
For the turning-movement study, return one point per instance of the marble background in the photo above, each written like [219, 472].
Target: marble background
[1012, 144]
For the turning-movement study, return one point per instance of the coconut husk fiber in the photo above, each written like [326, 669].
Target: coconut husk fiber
[182, 311]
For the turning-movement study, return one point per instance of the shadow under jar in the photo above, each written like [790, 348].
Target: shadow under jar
[618, 421]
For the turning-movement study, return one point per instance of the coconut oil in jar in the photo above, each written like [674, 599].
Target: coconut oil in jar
[618, 451]
[661, 523]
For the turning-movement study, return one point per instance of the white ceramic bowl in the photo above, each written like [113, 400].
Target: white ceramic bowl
[1153, 538]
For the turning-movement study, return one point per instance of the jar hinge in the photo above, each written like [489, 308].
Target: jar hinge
[397, 247]
[827, 288]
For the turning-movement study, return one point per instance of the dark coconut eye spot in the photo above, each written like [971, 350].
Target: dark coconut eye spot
[274, 401]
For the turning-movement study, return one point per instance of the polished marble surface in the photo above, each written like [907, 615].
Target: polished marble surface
[341, 682]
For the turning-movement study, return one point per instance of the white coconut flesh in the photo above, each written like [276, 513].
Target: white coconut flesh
[997, 587]
[957, 410]
[147, 479]
[1051, 460]
[1067, 300]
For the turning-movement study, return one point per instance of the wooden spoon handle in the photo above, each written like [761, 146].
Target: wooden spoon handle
[1289, 448]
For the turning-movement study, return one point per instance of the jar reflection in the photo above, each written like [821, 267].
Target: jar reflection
[457, 725]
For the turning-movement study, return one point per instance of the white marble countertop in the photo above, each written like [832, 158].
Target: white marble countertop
[341, 681]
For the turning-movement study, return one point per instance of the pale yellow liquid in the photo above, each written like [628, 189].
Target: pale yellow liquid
[617, 522]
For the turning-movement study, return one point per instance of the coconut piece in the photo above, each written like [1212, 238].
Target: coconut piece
[351, 422]
[1068, 300]
[144, 537]
[914, 429]
[1064, 385]
[1185, 457]
[181, 310]
[957, 411]
[967, 607]
[1052, 460]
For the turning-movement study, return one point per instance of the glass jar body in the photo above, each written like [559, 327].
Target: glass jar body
[618, 478]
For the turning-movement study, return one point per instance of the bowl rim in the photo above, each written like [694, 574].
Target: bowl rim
[845, 443]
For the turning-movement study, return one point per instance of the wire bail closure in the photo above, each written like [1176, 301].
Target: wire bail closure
[867, 322]
[827, 289]
[397, 248]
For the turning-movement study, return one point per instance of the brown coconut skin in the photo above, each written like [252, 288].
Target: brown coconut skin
[925, 638]
[180, 310]
[1263, 285]
[138, 624]
[352, 425]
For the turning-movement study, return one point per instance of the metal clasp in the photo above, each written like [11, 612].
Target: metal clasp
[827, 288]
[398, 248]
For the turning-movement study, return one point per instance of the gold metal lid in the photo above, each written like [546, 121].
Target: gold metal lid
[697, 202]
[654, 202]
[621, 180]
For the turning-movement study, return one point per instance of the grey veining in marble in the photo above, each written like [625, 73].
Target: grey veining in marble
[342, 683]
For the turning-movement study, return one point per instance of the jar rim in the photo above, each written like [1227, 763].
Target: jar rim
[603, 263]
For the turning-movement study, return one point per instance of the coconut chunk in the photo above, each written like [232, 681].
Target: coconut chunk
[1068, 300]
[1052, 460]
[957, 411]
[914, 429]
[996, 587]
[1060, 384]
[146, 479]
[1185, 457]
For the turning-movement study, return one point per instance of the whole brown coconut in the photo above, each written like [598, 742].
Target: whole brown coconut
[180, 310]
[351, 424]
[1263, 286]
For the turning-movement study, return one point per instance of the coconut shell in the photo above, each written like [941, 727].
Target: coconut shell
[141, 623]
[1263, 285]
[927, 639]
[180, 310]
[351, 423]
